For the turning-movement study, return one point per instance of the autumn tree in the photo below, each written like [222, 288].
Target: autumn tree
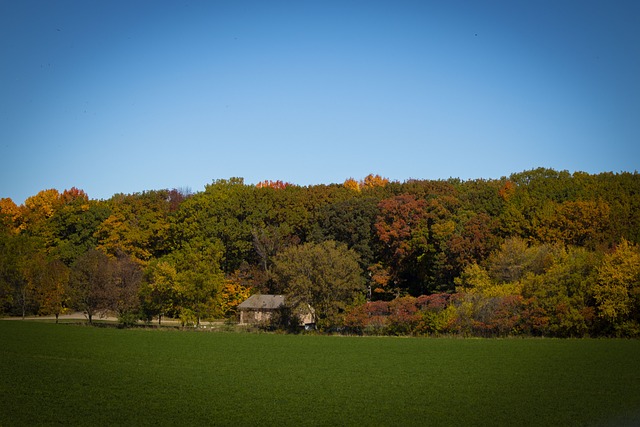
[617, 289]
[351, 184]
[578, 223]
[176, 196]
[402, 229]
[414, 233]
[37, 209]
[562, 293]
[403, 316]
[538, 235]
[474, 279]
[325, 276]
[516, 257]
[125, 299]
[232, 294]
[92, 283]
[48, 280]
[484, 306]
[369, 317]
[472, 241]
[10, 216]
[381, 284]
[372, 181]
[276, 185]
[138, 225]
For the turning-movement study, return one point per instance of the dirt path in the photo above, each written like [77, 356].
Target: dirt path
[79, 316]
[70, 316]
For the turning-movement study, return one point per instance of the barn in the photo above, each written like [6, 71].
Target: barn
[259, 308]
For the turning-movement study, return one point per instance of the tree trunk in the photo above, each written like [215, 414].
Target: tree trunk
[57, 314]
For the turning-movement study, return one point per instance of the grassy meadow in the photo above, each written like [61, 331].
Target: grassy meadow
[80, 375]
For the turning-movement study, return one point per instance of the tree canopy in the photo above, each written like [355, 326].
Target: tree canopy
[322, 276]
[554, 252]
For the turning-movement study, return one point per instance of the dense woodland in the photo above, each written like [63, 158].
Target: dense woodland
[541, 253]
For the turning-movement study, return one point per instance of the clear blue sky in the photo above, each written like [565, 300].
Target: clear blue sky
[126, 96]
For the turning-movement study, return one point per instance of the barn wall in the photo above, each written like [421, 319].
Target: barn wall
[255, 316]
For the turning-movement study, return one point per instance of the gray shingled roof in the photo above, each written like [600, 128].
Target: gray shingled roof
[265, 302]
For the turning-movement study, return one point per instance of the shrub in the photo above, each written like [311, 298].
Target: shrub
[403, 316]
[127, 319]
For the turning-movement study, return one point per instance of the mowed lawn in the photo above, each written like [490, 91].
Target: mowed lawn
[75, 375]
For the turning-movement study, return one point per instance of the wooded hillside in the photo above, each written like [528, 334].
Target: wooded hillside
[540, 252]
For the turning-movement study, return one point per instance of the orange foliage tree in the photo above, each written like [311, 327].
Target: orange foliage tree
[276, 185]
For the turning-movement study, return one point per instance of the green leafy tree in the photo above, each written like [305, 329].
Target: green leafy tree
[158, 290]
[352, 222]
[221, 213]
[325, 276]
[199, 279]
[73, 226]
[16, 253]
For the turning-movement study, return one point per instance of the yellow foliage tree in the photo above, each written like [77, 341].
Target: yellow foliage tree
[617, 288]
[232, 294]
[48, 280]
[371, 181]
[10, 215]
[116, 233]
[43, 205]
[351, 184]
[476, 280]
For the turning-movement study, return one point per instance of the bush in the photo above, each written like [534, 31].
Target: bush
[127, 320]
[436, 322]
[403, 317]
[188, 317]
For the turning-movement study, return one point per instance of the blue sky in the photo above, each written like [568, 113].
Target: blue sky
[126, 96]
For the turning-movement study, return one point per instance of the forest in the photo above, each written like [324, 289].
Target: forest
[538, 253]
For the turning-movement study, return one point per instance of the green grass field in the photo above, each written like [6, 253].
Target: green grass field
[75, 375]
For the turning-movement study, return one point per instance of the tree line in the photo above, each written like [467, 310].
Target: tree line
[541, 252]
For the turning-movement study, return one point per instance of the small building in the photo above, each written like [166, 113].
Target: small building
[260, 308]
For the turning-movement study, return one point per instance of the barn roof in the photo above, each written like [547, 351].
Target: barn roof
[264, 302]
